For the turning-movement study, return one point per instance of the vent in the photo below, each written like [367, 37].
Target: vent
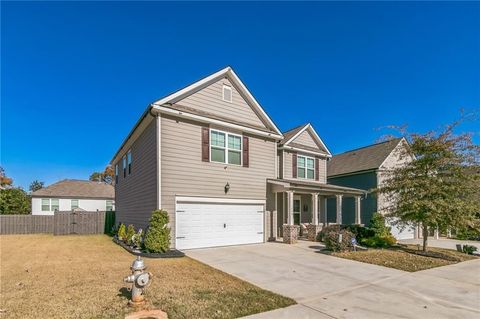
[227, 93]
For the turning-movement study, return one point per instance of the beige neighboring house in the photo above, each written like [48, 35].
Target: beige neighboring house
[72, 194]
[211, 156]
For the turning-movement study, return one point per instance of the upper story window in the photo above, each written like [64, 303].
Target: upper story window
[109, 205]
[124, 165]
[116, 173]
[45, 204]
[305, 167]
[74, 203]
[129, 162]
[227, 93]
[225, 147]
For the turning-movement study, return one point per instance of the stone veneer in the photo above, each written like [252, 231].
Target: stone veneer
[290, 233]
[312, 231]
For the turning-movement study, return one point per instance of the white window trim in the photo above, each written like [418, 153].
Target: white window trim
[129, 162]
[305, 177]
[223, 93]
[124, 165]
[49, 205]
[71, 205]
[226, 147]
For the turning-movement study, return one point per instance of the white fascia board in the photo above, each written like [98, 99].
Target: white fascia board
[296, 135]
[301, 150]
[199, 199]
[204, 119]
[319, 139]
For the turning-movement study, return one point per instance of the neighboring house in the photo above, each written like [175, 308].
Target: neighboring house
[210, 156]
[71, 194]
[365, 168]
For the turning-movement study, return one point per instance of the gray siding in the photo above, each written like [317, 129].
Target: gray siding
[136, 194]
[287, 166]
[210, 99]
[184, 173]
[305, 139]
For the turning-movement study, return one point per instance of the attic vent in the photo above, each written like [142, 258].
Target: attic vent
[227, 93]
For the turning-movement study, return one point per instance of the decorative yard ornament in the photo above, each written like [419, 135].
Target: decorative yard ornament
[140, 281]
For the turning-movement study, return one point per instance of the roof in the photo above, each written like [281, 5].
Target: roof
[317, 186]
[361, 159]
[291, 135]
[73, 188]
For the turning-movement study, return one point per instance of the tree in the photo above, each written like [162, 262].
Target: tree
[107, 176]
[4, 180]
[439, 186]
[36, 185]
[14, 201]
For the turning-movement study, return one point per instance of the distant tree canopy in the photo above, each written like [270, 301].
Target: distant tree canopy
[107, 176]
[36, 185]
[14, 201]
[440, 186]
[4, 180]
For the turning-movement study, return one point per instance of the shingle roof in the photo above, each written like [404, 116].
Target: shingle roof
[361, 159]
[290, 133]
[77, 188]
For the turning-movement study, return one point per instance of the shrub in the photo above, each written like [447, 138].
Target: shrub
[360, 232]
[379, 241]
[137, 239]
[130, 233]
[332, 240]
[157, 238]
[468, 233]
[326, 230]
[467, 249]
[378, 226]
[122, 232]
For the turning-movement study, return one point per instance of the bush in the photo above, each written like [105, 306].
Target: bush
[130, 234]
[137, 239]
[468, 233]
[378, 226]
[360, 232]
[326, 230]
[467, 249]
[122, 232]
[379, 241]
[157, 239]
[332, 240]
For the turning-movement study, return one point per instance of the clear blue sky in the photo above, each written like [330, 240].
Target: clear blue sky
[75, 77]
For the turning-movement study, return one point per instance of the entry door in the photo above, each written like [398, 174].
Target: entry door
[200, 225]
[297, 209]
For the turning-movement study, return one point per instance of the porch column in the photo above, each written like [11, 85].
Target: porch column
[358, 219]
[315, 208]
[339, 208]
[289, 207]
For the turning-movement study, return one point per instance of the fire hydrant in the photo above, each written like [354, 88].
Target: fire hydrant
[140, 281]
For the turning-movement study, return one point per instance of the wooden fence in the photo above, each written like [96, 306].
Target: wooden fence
[61, 223]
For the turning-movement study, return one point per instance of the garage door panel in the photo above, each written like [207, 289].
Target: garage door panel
[208, 224]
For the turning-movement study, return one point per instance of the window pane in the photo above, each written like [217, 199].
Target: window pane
[55, 204]
[310, 174]
[74, 203]
[234, 157]
[129, 157]
[234, 142]
[301, 172]
[310, 163]
[301, 161]
[218, 155]
[45, 204]
[218, 139]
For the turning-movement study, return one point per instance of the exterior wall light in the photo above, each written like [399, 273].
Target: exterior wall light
[227, 188]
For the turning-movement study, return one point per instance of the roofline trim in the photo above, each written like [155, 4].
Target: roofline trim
[353, 173]
[309, 126]
[296, 149]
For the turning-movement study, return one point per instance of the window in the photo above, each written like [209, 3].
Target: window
[225, 147]
[109, 205]
[45, 205]
[116, 173]
[55, 205]
[305, 167]
[74, 203]
[124, 166]
[227, 93]
[129, 161]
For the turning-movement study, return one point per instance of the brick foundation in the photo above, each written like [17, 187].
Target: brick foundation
[290, 233]
[312, 231]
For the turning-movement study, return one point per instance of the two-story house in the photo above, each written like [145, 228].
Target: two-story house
[210, 156]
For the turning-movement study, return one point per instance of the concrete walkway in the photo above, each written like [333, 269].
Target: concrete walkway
[330, 287]
[442, 242]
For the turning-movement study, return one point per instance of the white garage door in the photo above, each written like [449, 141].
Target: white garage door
[213, 224]
[406, 233]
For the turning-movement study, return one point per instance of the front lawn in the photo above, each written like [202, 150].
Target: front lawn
[45, 276]
[407, 258]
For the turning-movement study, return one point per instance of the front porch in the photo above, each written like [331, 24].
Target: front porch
[301, 207]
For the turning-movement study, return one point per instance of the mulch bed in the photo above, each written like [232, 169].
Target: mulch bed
[169, 254]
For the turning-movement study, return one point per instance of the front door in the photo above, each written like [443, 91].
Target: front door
[297, 206]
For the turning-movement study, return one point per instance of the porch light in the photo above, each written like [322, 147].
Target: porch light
[227, 187]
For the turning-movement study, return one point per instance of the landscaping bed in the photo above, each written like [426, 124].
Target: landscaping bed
[407, 258]
[169, 254]
[45, 276]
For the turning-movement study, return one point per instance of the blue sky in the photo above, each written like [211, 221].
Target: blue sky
[75, 77]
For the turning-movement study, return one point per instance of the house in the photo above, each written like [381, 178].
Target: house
[72, 194]
[366, 168]
[216, 162]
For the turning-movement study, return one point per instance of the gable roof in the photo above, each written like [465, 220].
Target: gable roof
[74, 188]
[291, 135]
[361, 159]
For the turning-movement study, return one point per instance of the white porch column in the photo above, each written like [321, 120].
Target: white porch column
[358, 219]
[289, 207]
[315, 208]
[436, 233]
[339, 208]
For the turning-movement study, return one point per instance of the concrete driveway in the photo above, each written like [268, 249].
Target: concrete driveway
[330, 287]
